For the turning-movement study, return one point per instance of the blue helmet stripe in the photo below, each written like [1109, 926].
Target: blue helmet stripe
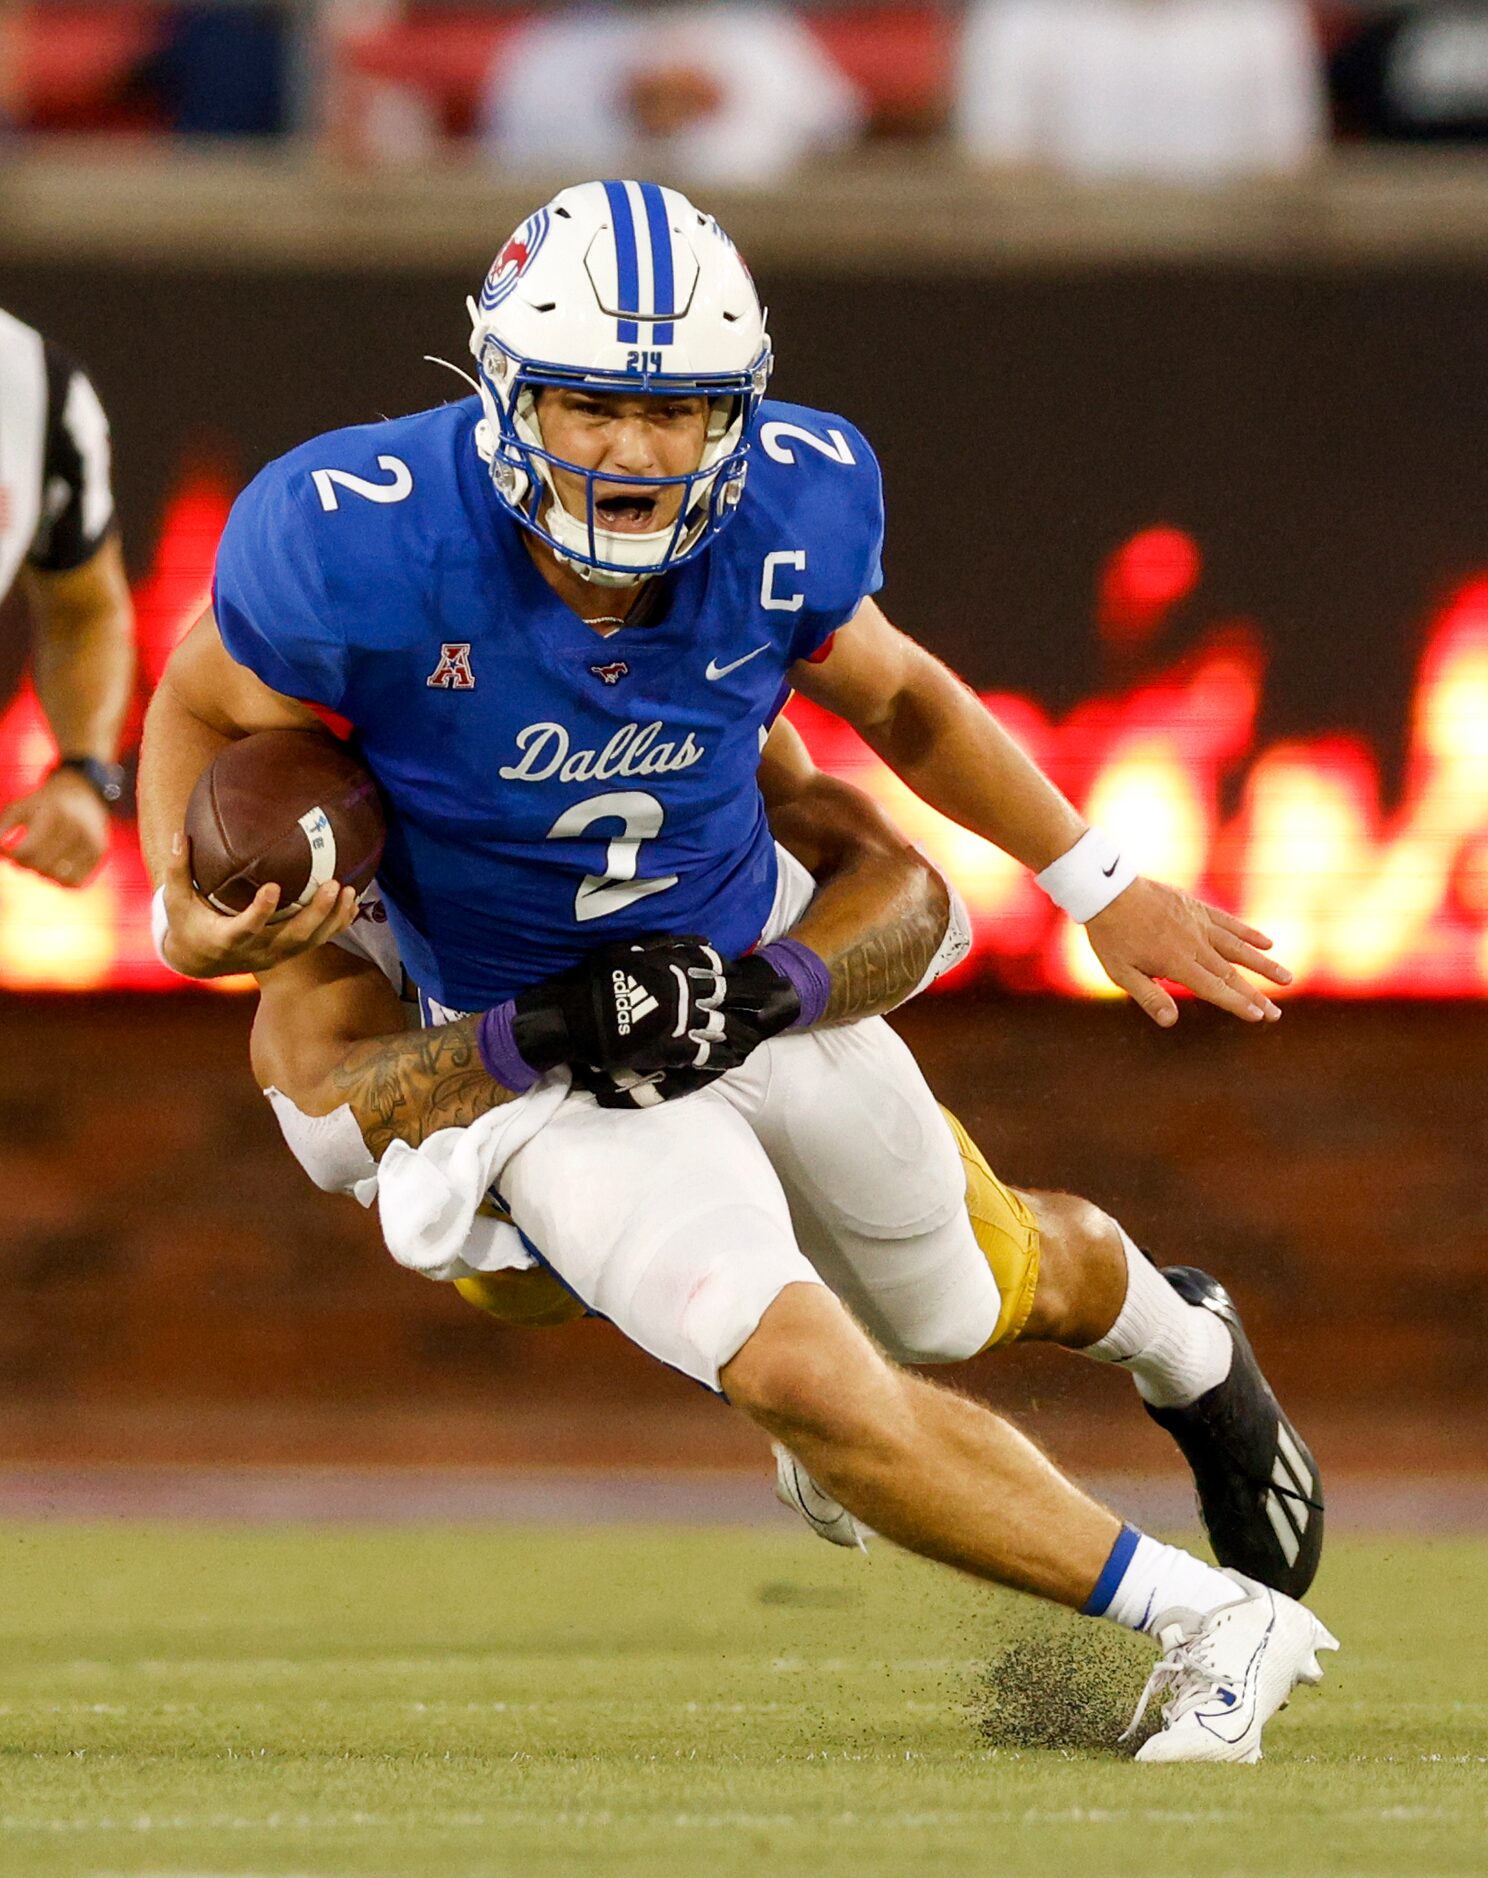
[627, 267]
[663, 285]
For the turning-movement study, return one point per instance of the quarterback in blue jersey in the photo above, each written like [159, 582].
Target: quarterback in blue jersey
[549, 788]
[559, 621]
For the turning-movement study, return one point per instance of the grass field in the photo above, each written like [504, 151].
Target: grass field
[444, 1703]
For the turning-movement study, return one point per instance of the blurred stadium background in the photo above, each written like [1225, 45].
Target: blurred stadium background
[1188, 477]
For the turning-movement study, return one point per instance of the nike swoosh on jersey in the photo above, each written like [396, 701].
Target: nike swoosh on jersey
[715, 670]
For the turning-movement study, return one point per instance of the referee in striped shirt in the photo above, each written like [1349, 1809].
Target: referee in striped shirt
[59, 549]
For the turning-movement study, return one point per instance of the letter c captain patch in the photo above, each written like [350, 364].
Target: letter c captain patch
[453, 672]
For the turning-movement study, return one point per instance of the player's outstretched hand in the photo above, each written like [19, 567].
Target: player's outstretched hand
[203, 943]
[1152, 931]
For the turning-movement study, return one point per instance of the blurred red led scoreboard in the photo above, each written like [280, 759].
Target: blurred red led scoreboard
[1362, 900]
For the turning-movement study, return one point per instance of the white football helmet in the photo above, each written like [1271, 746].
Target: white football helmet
[620, 287]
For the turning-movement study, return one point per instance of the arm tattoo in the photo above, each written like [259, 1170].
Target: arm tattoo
[878, 967]
[406, 1087]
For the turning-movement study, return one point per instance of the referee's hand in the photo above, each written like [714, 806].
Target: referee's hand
[60, 829]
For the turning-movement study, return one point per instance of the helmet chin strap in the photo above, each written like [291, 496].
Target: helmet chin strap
[570, 533]
[603, 576]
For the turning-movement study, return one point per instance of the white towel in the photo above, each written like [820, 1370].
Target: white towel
[428, 1197]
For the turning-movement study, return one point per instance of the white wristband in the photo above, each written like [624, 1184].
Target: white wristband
[159, 930]
[1084, 881]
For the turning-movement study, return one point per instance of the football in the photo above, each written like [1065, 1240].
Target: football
[291, 807]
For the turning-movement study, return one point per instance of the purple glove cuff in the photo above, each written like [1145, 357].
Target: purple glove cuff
[504, 1062]
[807, 976]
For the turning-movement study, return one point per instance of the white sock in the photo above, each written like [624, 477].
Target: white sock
[1144, 1581]
[1175, 1350]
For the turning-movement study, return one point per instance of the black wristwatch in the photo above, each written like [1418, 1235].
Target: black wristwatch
[106, 778]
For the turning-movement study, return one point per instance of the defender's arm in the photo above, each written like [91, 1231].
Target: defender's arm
[931, 729]
[880, 909]
[330, 1031]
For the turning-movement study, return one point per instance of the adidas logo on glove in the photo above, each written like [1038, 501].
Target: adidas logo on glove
[632, 1002]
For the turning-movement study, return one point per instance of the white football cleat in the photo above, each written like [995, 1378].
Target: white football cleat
[826, 1517]
[1227, 1674]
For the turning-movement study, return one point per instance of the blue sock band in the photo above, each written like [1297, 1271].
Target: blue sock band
[1112, 1573]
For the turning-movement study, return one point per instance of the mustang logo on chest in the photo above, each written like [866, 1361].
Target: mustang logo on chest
[634, 750]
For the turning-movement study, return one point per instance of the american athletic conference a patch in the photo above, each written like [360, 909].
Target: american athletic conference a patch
[453, 672]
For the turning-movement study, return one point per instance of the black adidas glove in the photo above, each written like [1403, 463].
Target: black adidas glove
[730, 1008]
[757, 1002]
[628, 1006]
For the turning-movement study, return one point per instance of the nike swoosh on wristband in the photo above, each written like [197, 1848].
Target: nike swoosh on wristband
[715, 670]
[1110, 871]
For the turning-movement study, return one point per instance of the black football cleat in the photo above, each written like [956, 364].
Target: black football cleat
[1260, 1497]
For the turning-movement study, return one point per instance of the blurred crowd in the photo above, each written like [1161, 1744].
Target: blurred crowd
[741, 92]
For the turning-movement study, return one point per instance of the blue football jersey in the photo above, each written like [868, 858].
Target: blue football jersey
[547, 789]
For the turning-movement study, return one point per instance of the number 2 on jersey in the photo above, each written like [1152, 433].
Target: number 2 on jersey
[641, 816]
[834, 446]
[397, 490]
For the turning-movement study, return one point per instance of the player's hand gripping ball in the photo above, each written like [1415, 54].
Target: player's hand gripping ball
[287, 808]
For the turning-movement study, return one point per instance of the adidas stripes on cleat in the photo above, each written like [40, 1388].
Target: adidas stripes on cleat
[1259, 1493]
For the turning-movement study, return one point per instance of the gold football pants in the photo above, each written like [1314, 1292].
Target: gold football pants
[1007, 1233]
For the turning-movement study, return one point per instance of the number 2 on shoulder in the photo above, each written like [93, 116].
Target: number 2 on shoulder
[834, 446]
[327, 481]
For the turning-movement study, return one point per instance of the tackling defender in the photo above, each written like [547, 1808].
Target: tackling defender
[343, 1082]
[444, 583]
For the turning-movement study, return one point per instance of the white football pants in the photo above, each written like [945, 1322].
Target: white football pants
[823, 1159]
